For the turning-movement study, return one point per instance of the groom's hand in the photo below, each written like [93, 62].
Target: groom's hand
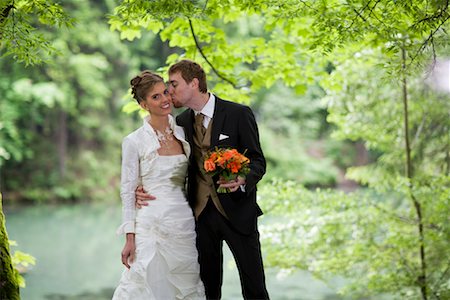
[232, 185]
[142, 197]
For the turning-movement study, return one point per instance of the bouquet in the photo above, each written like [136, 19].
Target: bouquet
[227, 163]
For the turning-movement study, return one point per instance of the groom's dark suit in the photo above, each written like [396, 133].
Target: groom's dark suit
[236, 125]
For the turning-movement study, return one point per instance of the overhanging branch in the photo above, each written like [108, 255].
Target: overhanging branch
[429, 39]
[206, 59]
[5, 12]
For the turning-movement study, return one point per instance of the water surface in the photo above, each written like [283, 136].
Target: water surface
[78, 256]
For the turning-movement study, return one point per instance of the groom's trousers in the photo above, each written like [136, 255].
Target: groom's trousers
[212, 230]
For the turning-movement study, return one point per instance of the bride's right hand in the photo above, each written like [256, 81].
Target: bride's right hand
[129, 250]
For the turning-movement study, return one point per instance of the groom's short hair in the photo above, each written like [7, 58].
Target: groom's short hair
[190, 70]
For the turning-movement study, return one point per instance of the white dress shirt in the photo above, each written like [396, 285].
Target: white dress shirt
[208, 110]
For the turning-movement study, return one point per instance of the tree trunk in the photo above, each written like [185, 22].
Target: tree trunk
[9, 288]
[62, 137]
[422, 278]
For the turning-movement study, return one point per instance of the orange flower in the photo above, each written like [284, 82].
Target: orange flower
[213, 157]
[227, 155]
[234, 167]
[242, 159]
[226, 163]
[209, 165]
[221, 161]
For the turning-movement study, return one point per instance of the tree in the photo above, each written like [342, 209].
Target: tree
[20, 39]
[374, 238]
[8, 275]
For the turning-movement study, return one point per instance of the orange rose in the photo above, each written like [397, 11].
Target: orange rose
[221, 161]
[209, 165]
[213, 156]
[234, 166]
[227, 155]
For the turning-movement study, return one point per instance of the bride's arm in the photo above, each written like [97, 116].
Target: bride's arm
[129, 182]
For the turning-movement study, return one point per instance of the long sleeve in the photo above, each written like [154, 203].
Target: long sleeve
[249, 141]
[129, 182]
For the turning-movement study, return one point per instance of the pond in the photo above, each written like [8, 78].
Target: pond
[78, 256]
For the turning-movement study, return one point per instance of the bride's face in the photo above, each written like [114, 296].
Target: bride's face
[158, 100]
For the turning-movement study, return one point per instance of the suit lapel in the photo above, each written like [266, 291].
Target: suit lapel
[218, 119]
[190, 128]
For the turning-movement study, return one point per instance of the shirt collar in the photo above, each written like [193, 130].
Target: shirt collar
[208, 109]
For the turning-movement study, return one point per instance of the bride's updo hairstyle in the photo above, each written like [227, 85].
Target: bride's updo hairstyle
[143, 83]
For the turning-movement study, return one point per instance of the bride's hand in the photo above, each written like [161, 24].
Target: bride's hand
[128, 250]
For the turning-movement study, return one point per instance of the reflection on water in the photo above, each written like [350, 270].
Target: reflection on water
[103, 294]
[78, 256]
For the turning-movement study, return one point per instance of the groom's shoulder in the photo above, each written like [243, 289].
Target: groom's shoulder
[234, 108]
[228, 104]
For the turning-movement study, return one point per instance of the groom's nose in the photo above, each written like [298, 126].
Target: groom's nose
[170, 89]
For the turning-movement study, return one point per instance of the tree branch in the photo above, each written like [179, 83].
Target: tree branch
[359, 14]
[5, 12]
[374, 15]
[429, 38]
[434, 16]
[408, 220]
[443, 276]
[206, 59]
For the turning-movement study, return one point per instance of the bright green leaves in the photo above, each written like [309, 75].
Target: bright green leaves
[20, 37]
[219, 31]
[131, 17]
[132, 28]
[21, 262]
[367, 238]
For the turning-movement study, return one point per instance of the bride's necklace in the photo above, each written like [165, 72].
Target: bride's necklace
[165, 137]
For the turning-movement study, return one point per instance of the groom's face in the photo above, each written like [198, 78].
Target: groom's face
[180, 90]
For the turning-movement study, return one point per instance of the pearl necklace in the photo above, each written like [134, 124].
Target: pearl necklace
[165, 137]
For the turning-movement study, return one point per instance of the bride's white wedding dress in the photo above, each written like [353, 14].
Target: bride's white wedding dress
[166, 265]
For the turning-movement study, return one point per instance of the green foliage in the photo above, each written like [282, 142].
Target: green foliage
[367, 237]
[365, 110]
[372, 238]
[61, 124]
[21, 262]
[20, 24]
[295, 139]
[246, 40]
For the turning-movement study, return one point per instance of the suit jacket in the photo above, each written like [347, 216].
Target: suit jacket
[238, 123]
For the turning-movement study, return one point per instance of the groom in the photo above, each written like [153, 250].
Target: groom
[211, 122]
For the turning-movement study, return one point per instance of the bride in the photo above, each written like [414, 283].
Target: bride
[160, 255]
